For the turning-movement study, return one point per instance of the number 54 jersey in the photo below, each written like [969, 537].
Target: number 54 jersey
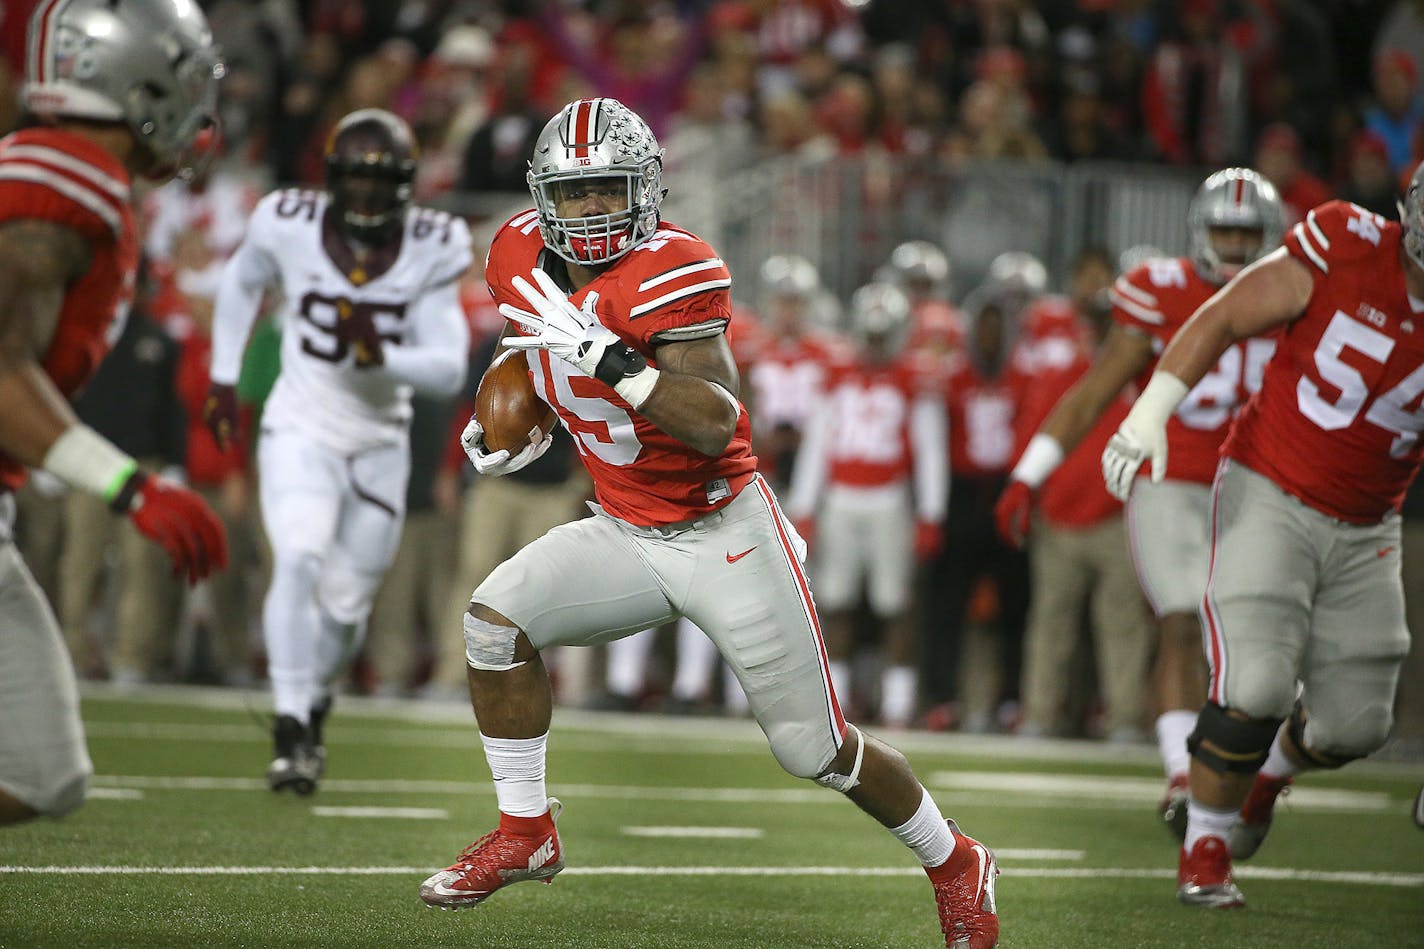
[409, 290]
[671, 288]
[1337, 420]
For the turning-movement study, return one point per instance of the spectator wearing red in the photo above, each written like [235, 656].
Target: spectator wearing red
[1193, 97]
[1278, 157]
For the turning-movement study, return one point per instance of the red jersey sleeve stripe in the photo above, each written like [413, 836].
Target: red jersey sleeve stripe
[76, 167]
[643, 309]
[1145, 314]
[666, 276]
[68, 187]
[1303, 239]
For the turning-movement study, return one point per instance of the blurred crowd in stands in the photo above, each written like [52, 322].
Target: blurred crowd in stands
[1324, 97]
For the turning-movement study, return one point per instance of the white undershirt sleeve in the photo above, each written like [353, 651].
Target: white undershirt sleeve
[929, 436]
[247, 275]
[813, 461]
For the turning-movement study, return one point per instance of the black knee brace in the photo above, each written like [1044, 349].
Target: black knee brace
[1225, 743]
[1295, 726]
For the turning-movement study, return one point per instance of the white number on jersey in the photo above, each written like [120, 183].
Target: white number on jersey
[1214, 399]
[1365, 224]
[869, 423]
[601, 428]
[1166, 272]
[1388, 411]
[989, 430]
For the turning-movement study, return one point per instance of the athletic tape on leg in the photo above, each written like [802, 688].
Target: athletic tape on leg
[845, 782]
[489, 647]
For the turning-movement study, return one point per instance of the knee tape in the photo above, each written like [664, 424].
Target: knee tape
[1225, 743]
[1295, 726]
[489, 647]
[845, 782]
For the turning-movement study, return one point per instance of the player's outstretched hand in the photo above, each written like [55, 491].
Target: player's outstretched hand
[1012, 513]
[177, 520]
[220, 414]
[496, 463]
[573, 335]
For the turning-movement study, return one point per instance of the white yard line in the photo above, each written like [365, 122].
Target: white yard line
[400, 813]
[733, 833]
[1008, 789]
[1361, 877]
[113, 794]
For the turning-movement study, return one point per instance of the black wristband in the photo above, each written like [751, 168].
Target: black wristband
[122, 502]
[619, 362]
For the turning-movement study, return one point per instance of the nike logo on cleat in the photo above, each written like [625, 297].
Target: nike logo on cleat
[543, 855]
[733, 558]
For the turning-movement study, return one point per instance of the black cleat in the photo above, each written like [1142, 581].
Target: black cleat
[294, 764]
[319, 711]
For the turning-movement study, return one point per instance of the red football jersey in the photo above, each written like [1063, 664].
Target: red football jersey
[982, 411]
[51, 175]
[1338, 417]
[871, 442]
[671, 288]
[1156, 299]
[936, 326]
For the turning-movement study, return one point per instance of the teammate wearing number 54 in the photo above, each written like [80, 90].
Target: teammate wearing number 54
[114, 90]
[1305, 568]
[623, 319]
[371, 313]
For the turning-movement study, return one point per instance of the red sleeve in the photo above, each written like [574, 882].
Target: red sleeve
[1335, 231]
[1135, 302]
[677, 290]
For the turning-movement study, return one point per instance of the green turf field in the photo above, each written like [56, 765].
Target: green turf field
[181, 845]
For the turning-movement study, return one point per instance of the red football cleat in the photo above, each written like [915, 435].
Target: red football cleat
[497, 859]
[964, 893]
[1204, 876]
[1249, 832]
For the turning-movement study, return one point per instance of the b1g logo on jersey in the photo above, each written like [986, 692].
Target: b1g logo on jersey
[324, 314]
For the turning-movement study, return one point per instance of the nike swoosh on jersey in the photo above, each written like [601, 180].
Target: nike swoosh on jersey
[733, 558]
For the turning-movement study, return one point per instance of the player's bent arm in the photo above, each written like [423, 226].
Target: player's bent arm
[245, 277]
[38, 261]
[1270, 293]
[695, 397]
[436, 362]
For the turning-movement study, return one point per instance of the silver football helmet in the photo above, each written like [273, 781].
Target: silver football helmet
[1411, 215]
[920, 267]
[149, 64]
[596, 139]
[880, 316]
[789, 275]
[1233, 197]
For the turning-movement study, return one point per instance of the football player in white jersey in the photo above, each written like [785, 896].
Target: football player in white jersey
[371, 312]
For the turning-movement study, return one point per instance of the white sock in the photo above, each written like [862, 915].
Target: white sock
[1277, 764]
[291, 632]
[840, 680]
[517, 765]
[897, 694]
[626, 660]
[1203, 821]
[695, 657]
[926, 833]
[1173, 729]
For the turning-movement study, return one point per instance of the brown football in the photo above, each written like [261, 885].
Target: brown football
[507, 408]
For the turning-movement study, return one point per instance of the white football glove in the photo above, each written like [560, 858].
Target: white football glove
[496, 463]
[560, 327]
[1142, 436]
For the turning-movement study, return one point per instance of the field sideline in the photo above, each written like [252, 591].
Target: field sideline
[679, 832]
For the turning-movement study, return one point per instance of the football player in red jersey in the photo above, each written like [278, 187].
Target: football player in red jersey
[132, 103]
[1304, 583]
[1234, 219]
[623, 318]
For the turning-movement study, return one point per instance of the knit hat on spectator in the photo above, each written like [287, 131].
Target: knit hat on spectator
[466, 46]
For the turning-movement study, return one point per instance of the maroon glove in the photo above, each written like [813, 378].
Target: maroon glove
[356, 327]
[1011, 513]
[929, 539]
[176, 519]
[220, 414]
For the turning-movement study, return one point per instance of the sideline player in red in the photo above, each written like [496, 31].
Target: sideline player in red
[1305, 565]
[1234, 219]
[625, 319]
[132, 103]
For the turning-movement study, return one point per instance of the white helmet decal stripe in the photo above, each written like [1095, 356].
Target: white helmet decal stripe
[40, 39]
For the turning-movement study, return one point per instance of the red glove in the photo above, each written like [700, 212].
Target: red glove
[929, 539]
[1011, 513]
[220, 414]
[356, 327]
[176, 519]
